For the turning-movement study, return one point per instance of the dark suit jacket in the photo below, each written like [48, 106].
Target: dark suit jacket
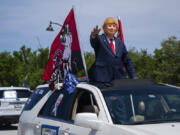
[107, 65]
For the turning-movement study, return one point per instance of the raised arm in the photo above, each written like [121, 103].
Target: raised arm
[94, 36]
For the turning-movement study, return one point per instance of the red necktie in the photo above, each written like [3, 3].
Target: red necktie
[112, 46]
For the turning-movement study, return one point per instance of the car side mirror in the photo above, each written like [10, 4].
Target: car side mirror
[88, 120]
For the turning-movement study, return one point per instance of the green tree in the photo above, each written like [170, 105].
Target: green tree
[89, 59]
[167, 61]
[30, 64]
[143, 62]
[8, 67]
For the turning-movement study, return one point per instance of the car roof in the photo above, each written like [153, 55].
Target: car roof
[80, 85]
[122, 84]
[133, 84]
[13, 88]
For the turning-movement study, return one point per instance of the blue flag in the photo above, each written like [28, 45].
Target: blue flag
[26, 85]
[70, 82]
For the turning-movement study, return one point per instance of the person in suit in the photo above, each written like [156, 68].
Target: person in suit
[110, 53]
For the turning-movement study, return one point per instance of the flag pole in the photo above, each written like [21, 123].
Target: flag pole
[82, 52]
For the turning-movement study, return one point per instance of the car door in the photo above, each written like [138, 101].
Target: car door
[81, 102]
[50, 118]
[57, 115]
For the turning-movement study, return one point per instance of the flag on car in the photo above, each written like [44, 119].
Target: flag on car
[65, 52]
[26, 85]
[70, 82]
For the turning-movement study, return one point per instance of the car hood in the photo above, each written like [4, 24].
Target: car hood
[156, 129]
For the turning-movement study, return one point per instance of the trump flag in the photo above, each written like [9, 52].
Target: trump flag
[65, 53]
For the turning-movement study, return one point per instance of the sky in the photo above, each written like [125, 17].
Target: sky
[146, 23]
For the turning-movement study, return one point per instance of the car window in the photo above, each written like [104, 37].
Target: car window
[35, 97]
[1, 94]
[119, 107]
[23, 93]
[84, 101]
[57, 105]
[131, 107]
[173, 101]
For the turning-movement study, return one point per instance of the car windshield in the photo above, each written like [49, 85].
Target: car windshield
[143, 105]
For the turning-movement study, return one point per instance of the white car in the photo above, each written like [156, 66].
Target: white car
[12, 101]
[127, 107]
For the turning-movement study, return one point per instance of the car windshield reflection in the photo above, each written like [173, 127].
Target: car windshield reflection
[143, 106]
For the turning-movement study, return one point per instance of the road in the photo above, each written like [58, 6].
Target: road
[9, 130]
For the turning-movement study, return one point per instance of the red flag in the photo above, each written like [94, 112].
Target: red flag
[120, 35]
[65, 51]
[120, 30]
